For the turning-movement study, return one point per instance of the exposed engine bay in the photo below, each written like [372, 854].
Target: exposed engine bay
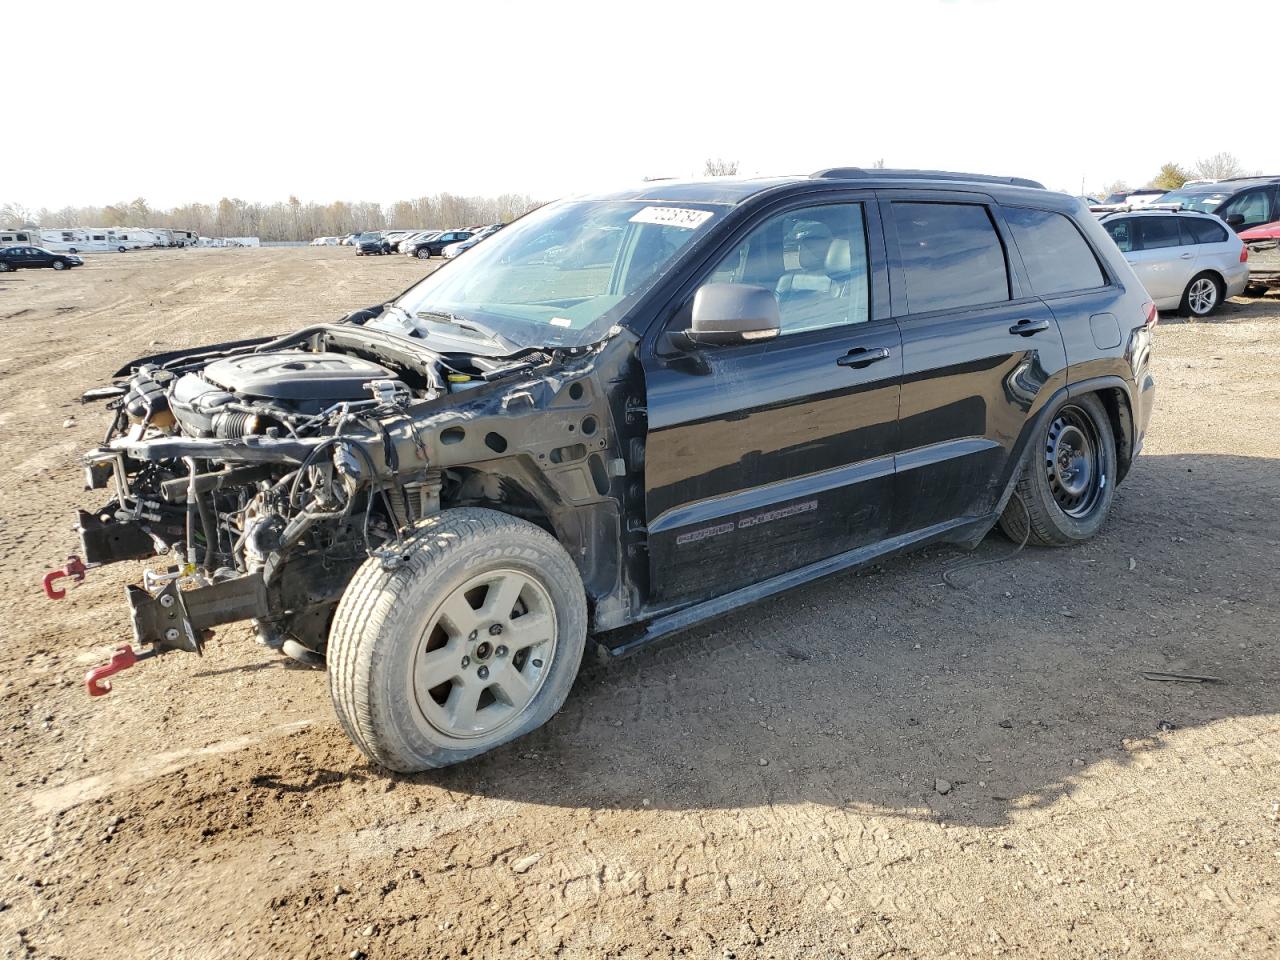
[267, 471]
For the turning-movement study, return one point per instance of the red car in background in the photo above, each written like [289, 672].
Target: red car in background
[1263, 243]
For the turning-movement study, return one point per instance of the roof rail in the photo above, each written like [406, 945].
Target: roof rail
[1251, 176]
[858, 173]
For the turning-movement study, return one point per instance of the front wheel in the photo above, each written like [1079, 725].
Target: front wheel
[1203, 295]
[473, 640]
[1068, 477]
[423, 254]
[59, 265]
[119, 249]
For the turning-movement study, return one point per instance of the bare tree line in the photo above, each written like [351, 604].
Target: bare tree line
[283, 220]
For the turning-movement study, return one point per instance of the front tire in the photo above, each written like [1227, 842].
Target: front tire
[1204, 294]
[474, 640]
[1067, 479]
[423, 254]
[59, 265]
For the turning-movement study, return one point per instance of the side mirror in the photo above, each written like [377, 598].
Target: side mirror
[1235, 219]
[729, 313]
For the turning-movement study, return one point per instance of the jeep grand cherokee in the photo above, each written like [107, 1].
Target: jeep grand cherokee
[748, 384]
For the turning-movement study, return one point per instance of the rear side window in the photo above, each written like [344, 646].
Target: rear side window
[1158, 232]
[1055, 254]
[952, 256]
[1197, 230]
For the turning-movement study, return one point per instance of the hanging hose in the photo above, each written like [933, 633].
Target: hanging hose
[973, 564]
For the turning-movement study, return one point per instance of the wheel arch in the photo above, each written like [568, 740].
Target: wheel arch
[590, 532]
[1117, 398]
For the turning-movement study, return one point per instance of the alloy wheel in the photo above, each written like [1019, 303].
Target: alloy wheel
[1073, 462]
[1203, 296]
[485, 654]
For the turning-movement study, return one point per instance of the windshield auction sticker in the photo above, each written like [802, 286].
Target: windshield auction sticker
[673, 217]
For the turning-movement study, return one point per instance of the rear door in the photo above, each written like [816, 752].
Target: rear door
[764, 457]
[1161, 262]
[978, 348]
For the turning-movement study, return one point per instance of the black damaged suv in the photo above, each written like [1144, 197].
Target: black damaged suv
[748, 385]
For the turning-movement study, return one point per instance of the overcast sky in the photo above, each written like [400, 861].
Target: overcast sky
[384, 101]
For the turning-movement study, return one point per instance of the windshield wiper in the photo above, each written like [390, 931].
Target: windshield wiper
[471, 325]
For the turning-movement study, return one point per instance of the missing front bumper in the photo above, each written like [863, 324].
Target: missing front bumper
[175, 619]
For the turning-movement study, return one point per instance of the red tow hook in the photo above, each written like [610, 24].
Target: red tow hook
[124, 658]
[74, 568]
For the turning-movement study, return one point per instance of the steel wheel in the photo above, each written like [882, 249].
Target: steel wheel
[485, 654]
[1072, 462]
[1202, 296]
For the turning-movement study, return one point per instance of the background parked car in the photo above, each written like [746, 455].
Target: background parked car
[1241, 202]
[434, 246]
[401, 244]
[1264, 256]
[1187, 261]
[27, 258]
[370, 243]
[464, 245]
[1131, 198]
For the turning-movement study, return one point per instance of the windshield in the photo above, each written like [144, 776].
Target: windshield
[561, 276]
[1203, 201]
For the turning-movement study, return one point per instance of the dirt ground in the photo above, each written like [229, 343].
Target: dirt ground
[876, 765]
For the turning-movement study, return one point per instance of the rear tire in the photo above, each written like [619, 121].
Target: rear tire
[430, 663]
[1067, 479]
[119, 249]
[1204, 294]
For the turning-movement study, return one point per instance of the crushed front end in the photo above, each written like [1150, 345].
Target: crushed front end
[265, 473]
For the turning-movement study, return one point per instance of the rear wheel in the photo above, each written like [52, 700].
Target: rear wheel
[1067, 481]
[119, 249]
[471, 642]
[1203, 295]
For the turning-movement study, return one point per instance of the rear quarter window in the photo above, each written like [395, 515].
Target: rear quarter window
[952, 256]
[1055, 254]
[1196, 230]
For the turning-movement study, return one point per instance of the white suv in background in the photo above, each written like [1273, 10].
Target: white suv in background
[1187, 261]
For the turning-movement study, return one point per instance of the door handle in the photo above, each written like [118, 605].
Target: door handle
[1025, 328]
[863, 356]
[1186, 256]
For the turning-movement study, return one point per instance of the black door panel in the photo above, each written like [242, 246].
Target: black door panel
[769, 458]
[972, 374]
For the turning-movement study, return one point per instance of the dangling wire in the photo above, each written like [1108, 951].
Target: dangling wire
[973, 564]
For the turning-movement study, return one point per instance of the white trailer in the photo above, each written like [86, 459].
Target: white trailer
[10, 238]
[134, 238]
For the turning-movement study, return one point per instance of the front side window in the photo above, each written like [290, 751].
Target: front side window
[1159, 232]
[1055, 254]
[813, 260]
[1253, 205]
[560, 276]
[952, 256]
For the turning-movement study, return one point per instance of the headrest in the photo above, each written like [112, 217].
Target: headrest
[839, 259]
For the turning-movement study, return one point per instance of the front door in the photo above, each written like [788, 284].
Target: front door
[978, 349]
[764, 457]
